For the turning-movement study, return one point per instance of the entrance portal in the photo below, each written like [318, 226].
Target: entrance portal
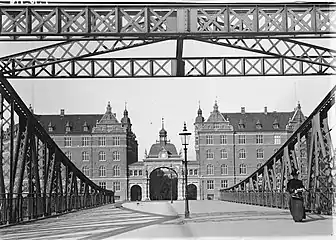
[163, 184]
[192, 192]
[136, 193]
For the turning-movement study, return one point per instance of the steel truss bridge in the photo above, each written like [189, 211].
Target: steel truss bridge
[43, 181]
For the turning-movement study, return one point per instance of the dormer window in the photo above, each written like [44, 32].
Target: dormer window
[67, 127]
[275, 124]
[50, 127]
[241, 124]
[258, 125]
[85, 127]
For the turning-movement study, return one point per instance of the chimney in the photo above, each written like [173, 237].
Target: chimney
[265, 110]
[242, 110]
[62, 113]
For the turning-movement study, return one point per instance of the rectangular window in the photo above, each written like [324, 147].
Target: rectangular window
[131, 172]
[135, 172]
[69, 155]
[241, 139]
[101, 141]
[140, 172]
[259, 139]
[260, 153]
[116, 186]
[277, 139]
[116, 141]
[196, 141]
[191, 171]
[102, 184]
[223, 139]
[195, 172]
[210, 184]
[85, 141]
[209, 139]
[224, 183]
[67, 142]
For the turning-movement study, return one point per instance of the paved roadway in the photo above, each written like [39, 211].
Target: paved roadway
[154, 220]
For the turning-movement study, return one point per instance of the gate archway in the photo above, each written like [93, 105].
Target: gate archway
[163, 184]
[136, 193]
[192, 192]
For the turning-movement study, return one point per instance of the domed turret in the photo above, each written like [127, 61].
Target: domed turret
[126, 121]
[199, 118]
[163, 134]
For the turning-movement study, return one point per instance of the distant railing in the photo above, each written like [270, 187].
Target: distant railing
[278, 199]
[36, 206]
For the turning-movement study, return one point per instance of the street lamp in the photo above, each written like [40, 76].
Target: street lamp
[185, 135]
[171, 184]
[147, 184]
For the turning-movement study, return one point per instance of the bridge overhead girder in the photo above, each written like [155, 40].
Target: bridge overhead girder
[84, 49]
[59, 22]
[167, 67]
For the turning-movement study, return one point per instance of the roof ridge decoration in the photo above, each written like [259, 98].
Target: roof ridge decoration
[296, 119]
[258, 124]
[108, 118]
[216, 115]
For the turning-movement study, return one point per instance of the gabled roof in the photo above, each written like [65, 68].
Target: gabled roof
[215, 115]
[250, 120]
[108, 118]
[76, 122]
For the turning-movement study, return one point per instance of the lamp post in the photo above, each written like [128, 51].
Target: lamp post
[147, 184]
[185, 135]
[171, 184]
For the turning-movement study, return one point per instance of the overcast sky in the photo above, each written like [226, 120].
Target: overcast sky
[176, 100]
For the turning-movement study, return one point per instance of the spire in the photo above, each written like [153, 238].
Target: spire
[125, 111]
[199, 112]
[216, 106]
[108, 108]
[163, 133]
[299, 105]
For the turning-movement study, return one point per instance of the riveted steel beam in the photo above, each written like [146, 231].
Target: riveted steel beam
[166, 67]
[65, 51]
[35, 164]
[59, 22]
[280, 47]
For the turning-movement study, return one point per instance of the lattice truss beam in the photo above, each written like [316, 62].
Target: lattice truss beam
[30, 161]
[54, 22]
[310, 151]
[76, 59]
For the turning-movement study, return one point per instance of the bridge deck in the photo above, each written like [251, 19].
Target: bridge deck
[159, 220]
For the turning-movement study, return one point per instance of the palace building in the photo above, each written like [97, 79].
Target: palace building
[231, 146]
[99, 145]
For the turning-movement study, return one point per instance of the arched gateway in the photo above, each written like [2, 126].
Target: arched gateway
[163, 184]
[160, 172]
[135, 193]
[192, 192]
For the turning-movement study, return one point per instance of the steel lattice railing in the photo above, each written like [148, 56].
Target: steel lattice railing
[36, 178]
[310, 151]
